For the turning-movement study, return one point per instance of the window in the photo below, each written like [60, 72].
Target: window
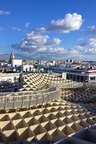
[92, 78]
[30, 69]
[14, 78]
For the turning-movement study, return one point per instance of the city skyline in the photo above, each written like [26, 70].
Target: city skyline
[48, 29]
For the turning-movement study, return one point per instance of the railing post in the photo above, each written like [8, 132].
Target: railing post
[48, 96]
[22, 100]
[42, 99]
[6, 102]
[36, 99]
[14, 102]
[29, 100]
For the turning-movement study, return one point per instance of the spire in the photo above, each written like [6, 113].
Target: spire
[12, 56]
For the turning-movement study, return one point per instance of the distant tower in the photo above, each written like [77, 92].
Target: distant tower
[12, 57]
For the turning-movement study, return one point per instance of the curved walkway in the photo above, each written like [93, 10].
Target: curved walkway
[28, 98]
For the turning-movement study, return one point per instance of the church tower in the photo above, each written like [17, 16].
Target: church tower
[12, 57]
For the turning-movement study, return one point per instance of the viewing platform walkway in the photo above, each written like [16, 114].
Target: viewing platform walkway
[27, 98]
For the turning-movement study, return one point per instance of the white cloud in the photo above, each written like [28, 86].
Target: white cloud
[91, 30]
[39, 30]
[15, 28]
[39, 46]
[90, 47]
[86, 48]
[2, 12]
[92, 42]
[42, 51]
[36, 42]
[27, 24]
[1, 28]
[4, 56]
[69, 23]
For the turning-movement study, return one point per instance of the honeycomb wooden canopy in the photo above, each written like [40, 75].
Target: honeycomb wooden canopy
[44, 113]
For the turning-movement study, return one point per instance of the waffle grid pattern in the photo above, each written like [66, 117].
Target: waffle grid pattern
[49, 117]
[79, 95]
[58, 119]
[37, 81]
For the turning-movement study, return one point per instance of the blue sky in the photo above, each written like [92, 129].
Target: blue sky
[48, 29]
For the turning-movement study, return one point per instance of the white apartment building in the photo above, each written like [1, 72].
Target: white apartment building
[17, 65]
[27, 68]
[9, 77]
[16, 62]
[82, 75]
